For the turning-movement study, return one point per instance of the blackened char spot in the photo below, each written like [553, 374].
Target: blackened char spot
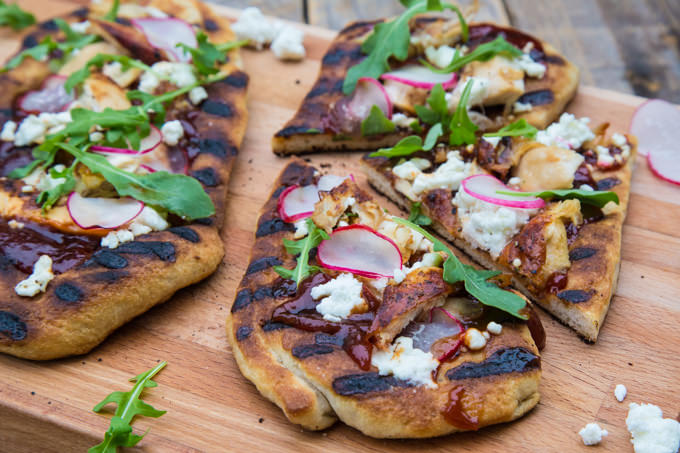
[237, 79]
[243, 299]
[29, 41]
[5, 263]
[270, 326]
[325, 86]
[207, 176]
[357, 384]
[219, 148]
[538, 97]
[336, 54]
[243, 332]
[581, 253]
[308, 350]
[503, 361]
[575, 296]
[278, 191]
[163, 250]
[81, 12]
[263, 263]
[107, 276]
[123, 21]
[263, 292]
[608, 183]
[210, 25]
[324, 338]
[185, 233]
[204, 221]
[292, 130]
[284, 288]
[109, 259]
[68, 292]
[360, 24]
[273, 226]
[12, 326]
[217, 108]
[49, 25]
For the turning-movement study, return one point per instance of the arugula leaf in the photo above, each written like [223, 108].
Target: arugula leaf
[79, 76]
[483, 52]
[516, 129]
[405, 146]
[376, 123]
[301, 248]
[475, 280]
[417, 217]
[206, 55]
[597, 198]
[15, 17]
[49, 197]
[462, 129]
[438, 111]
[113, 12]
[129, 405]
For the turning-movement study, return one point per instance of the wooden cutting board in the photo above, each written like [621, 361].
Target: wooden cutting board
[211, 407]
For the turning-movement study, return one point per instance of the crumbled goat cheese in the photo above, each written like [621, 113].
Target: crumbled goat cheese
[404, 362]
[480, 85]
[27, 188]
[117, 237]
[521, 107]
[301, 229]
[604, 158]
[401, 120]
[620, 392]
[486, 225]
[592, 434]
[198, 95]
[38, 280]
[338, 297]
[569, 132]
[80, 27]
[440, 56]
[493, 141]
[515, 181]
[34, 127]
[114, 71]
[253, 26]
[494, 328]
[147, 221]
[42, 180]
[96, 136]
[650, 432]
[8, 131]
[379, 283]
[398, 275]
[517, 262]
[16, 225]
[288, 44]
[447, 176]
[180, 74]
[529, 66]
[474, 339]
[172, 131]
[586, 187]
[410, 169]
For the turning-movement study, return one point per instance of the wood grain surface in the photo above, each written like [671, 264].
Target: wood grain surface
[47, 406]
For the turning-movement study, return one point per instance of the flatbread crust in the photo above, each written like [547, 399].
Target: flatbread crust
[308, 130]
[312, 379]
[108, 287]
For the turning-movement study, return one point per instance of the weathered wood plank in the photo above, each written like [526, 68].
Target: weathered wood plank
[287, 9]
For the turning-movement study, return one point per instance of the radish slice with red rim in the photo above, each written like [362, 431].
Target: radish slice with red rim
[105, 213]
[369, 92]
[486, 188]
[421, 77]
[147, 144]
[166, 33]
[360, 250]
[50, 98]
[297, 202]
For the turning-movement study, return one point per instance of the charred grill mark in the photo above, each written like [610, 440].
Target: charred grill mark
[206, 176]
[358, 384]
[49, 25]
[204, 221]
[68, 292]
[217, 108]
[243, 332]
[284, 288]
[538, 97]
[507, 360]
[263, 292]
[575, 296]
[271, 326]
[325, 339]
[123, 21]
[581, 253]
[298, 174]
[273, 226]
[308, 350]
[210, 25]
[107, 258]
[185, 233]
[217, 147]
[163, 250]
[81, 13]
[107, 276]
[263, 263]
[608, 183]
[12, 326]
[243, 299]
[338, 53]
[292, 130]
[278, 191]
[5, 263]
[325, 85]
[360, 25]
[238, 79]
[29, 41]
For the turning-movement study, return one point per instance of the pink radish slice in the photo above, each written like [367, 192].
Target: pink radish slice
[106, 213]
[486, 187]
[297, 202]
[369, 92]
[654, 123]
[328, 182]
[421, 77]
[147, 144]
[665, 165]
[360, 250]
[50, 98]
[166, 33]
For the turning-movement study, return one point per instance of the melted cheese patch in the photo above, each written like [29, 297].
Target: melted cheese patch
[548, 168]
[506, 81]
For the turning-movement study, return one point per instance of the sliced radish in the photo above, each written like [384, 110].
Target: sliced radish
[421, 77]
[297, 202]
[50, 98]
[102, 212]
[369, 92]
[166, 33]
[441, 326]
[329, 182]
[486, 188]
[147, 144]
[360, 250]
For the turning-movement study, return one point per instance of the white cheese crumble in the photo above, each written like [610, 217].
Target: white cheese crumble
[180, 74]
[521, 107]
[398, 275]
[569, 132]
[486, 225]
[172, 131]
[8, 130]
[494, 328]
[474, 339]
[515, 181]
[38, 280]
[604, 158]
[650, 432]
[198, 95]
[114, 71]
[15, 225]
[404, 362]
[41, 180]
[301, 229]
[338, 297]
[253, 26]
[493, 141]
[96, 136]
[287, 44]
[447, 176]
[592, 434]
[586, 187]
[401, 120]
[80, 27]
[147, 221]
[114, 238]
[411, 168]
[529, 66]
[440, 56]
[379, 283]
[34, 127]
[620, 392]
[517, 262]
[480, 85]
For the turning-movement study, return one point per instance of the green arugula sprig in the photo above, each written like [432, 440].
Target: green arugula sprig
[376, 123]
[483, 52]
[79, 76]
[13, 16]
[598, 198]
[462, 128]
[519, 128]
[475, 280]
[113, 12]
[301, 248]
[411, 144]
[391, 40]
[129, 405]
[416, 216]
[206, 55]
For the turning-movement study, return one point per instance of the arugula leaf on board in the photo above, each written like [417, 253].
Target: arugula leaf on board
[416, 216]
[129, 405]
[462, 128]
[475, 280]
[516, 129]
[15, 17]
[483, 52]
[206, 55]
[301, 248]
[597, 198]
[376, 123]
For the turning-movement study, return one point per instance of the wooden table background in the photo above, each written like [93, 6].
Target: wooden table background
[632, 46]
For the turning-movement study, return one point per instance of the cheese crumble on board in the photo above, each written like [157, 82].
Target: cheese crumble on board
[592, 434]
[650, 432]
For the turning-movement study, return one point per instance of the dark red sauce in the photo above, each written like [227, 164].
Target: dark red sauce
[481, 33]
[535, 326]
[455, 413]
[583, 176]
[556, 282]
